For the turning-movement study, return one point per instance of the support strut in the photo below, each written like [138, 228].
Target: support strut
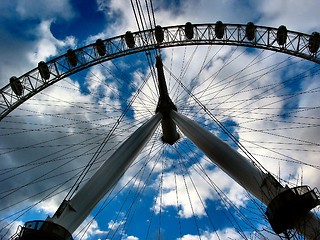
[76, 210]
[258, 183]
[262, 185]
[165, 105]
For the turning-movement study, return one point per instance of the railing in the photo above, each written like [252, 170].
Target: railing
[39, 229]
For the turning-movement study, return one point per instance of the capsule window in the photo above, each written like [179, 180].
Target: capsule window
[44, 70]
[219, 29]
[282, 35]
[159, 34]
[129, 39]
[189, 30]
[250, 31]
[72, 58]
[16, 86]
[100, 47]
[314, 42]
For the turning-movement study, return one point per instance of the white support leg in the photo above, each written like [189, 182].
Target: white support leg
[229, 160]
[258, 183]
[80, 206]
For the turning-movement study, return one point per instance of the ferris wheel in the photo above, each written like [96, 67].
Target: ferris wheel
[211, 98]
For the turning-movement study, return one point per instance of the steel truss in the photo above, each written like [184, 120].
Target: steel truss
[296, 44]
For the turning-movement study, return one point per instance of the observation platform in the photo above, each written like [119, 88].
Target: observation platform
[290, 206]
[41, 230]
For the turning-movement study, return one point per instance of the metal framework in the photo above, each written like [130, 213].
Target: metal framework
[32, 82]
[265, 188]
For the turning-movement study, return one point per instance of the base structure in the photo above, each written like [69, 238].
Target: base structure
[291, 206]
[42, 230]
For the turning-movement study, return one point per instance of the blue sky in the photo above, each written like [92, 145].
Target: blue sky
[172, 192]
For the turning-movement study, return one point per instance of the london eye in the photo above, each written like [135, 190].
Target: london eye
[208, 113]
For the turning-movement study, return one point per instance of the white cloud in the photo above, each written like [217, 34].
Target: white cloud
[112, 225]
[47, 46]
[192, 198]
[22, 54]
[35, 9]
[115, 228]
[296, 15]
[230, 233]
[131, 238]
[11, 229]
[49, 206]
[34, 43]
[88, 229]
[225, 234]
[120, 12]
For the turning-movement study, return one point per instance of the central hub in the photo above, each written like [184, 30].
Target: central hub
[165, 105]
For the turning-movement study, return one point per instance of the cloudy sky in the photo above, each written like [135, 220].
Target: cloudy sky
[268, 101]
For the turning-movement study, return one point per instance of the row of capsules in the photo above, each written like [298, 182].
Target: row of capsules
[100, 47]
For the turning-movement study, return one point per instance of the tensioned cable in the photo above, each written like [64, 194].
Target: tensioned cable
[55, 188]
[177, 201]
[239, 91]
[107, 201]
[124, 76]
[222, 81]
[265, 93]
[204, 65]
[296, 161]
[214, 186]
[234, 77]
[225, 130]
[161, 196]
[39, 193]
[37, 161]
[11, 191]
[153, 211]
[188, 195]
[109, 198]
[142, 26]
[195, 188]
[93, 159]
[113, 89]
[62, 173]
[139, 189]
[227, 62]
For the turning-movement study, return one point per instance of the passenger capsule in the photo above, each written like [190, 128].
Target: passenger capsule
[159, 34]
[129, 39]
[44, 70]
[314, 42]
[282, 34]
[219, 29]
[100, 47]
[250, 31]
[72, 58]
[188, 29]
[16, 86]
